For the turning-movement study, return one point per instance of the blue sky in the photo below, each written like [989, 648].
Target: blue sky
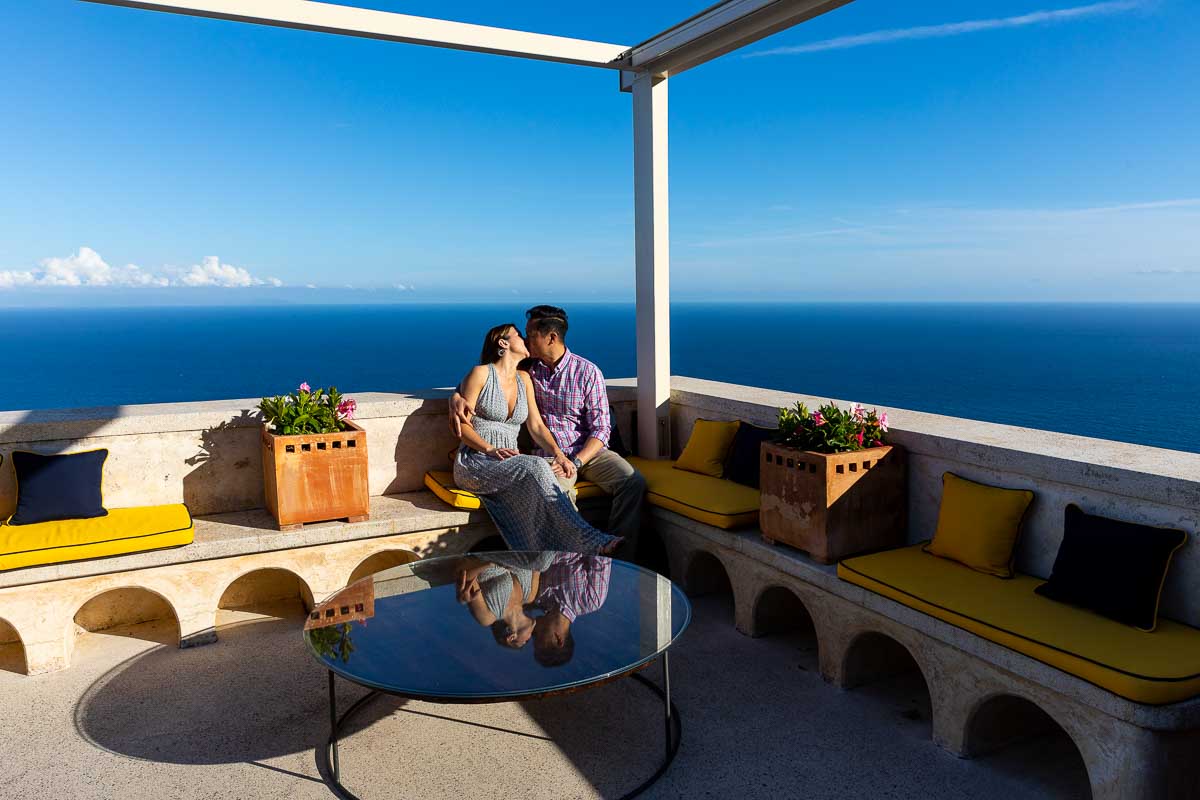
[885, 151]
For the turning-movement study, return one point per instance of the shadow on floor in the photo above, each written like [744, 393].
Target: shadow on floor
[254, 695]
[758, 721]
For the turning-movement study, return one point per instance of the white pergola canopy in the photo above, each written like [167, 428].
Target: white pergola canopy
[644, 70]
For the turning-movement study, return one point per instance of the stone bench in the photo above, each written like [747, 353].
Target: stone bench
[977, 688]
[45, 607]
[1130, 750]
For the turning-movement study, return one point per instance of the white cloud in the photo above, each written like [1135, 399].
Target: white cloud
[211, 272]
[1116, 250]
[10, 279]
[954, 28]
[1189, 272]
[87, 268]
[84, 268]
[1187, 202]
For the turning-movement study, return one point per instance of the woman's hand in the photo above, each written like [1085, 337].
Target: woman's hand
[501, 453]
[468, 588]
[565, 464]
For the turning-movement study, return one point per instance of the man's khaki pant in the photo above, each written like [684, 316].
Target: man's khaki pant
[616, 477]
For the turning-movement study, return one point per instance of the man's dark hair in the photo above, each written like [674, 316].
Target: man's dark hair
[548, 319]
[555, 656]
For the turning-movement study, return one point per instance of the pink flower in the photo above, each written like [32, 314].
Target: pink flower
[304, 387]
[883, 423]
[859, 412]
[860, 438]
[346, 409]
[818, 418]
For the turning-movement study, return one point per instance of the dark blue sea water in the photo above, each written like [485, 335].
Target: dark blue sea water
[1127, 372]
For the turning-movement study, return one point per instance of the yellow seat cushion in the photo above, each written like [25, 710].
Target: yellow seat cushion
[708, 447]
[978, 524]
[122, 531]
[441, 483]
[713, 501]
[1153, 668]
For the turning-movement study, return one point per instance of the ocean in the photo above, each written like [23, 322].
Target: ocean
[1124, 372]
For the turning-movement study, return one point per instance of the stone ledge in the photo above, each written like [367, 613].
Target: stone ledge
[79, 423]
[240, 533]
[793, 563]
[1170, 477]
[58, 424]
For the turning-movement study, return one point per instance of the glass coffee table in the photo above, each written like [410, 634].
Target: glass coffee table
[496, 627]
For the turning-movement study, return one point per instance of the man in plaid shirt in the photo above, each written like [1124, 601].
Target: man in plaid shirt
[572, 586]
[572, 397]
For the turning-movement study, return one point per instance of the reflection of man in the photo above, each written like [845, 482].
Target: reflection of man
[573, 585]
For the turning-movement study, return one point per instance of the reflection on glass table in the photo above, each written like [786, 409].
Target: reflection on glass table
[491, 627]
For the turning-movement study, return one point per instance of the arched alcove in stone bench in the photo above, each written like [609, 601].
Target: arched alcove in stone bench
[378, 562]
[12, 649]
[778, 609]
[268, 591]
[133, 611]
[1004, 727]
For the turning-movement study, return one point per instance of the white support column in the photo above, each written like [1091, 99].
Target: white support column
[652, 245]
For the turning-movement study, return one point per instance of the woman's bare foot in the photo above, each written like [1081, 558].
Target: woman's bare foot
[611, 547]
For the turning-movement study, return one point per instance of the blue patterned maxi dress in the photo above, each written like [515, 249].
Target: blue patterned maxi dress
[520, 493]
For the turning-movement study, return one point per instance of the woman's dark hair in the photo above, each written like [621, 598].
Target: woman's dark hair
[500, 634]
[548, 319]
[491, 343]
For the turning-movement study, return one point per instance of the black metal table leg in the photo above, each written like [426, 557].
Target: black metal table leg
[333, 729]
[674, 727]
[667, 700]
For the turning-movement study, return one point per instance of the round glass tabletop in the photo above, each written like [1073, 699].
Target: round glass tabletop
[491, 626]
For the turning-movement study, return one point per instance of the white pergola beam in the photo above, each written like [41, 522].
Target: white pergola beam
[719, 29]
[369, 24]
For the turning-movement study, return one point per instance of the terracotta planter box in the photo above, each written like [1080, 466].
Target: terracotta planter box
[316, 477]
[833, 506]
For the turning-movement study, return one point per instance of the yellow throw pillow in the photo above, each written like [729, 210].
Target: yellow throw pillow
[978, 524]
[708, 447]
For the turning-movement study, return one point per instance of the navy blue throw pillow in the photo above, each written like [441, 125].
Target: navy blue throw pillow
[1114, 568]
[745, 457]
[615, 443]
[58, 487]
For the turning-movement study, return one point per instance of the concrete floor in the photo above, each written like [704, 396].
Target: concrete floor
[133, 718]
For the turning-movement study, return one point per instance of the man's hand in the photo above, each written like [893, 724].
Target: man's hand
[460, 414]
[563, 467]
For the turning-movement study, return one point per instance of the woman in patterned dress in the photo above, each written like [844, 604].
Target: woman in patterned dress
[520, 492]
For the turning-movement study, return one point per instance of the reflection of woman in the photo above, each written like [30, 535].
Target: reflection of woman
[497, 591]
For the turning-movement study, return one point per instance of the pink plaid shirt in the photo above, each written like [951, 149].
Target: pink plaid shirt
[575, 584]
[573, 400]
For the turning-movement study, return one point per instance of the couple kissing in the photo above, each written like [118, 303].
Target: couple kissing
[534, 380]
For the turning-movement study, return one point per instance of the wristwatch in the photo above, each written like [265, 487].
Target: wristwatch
[578, 464]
